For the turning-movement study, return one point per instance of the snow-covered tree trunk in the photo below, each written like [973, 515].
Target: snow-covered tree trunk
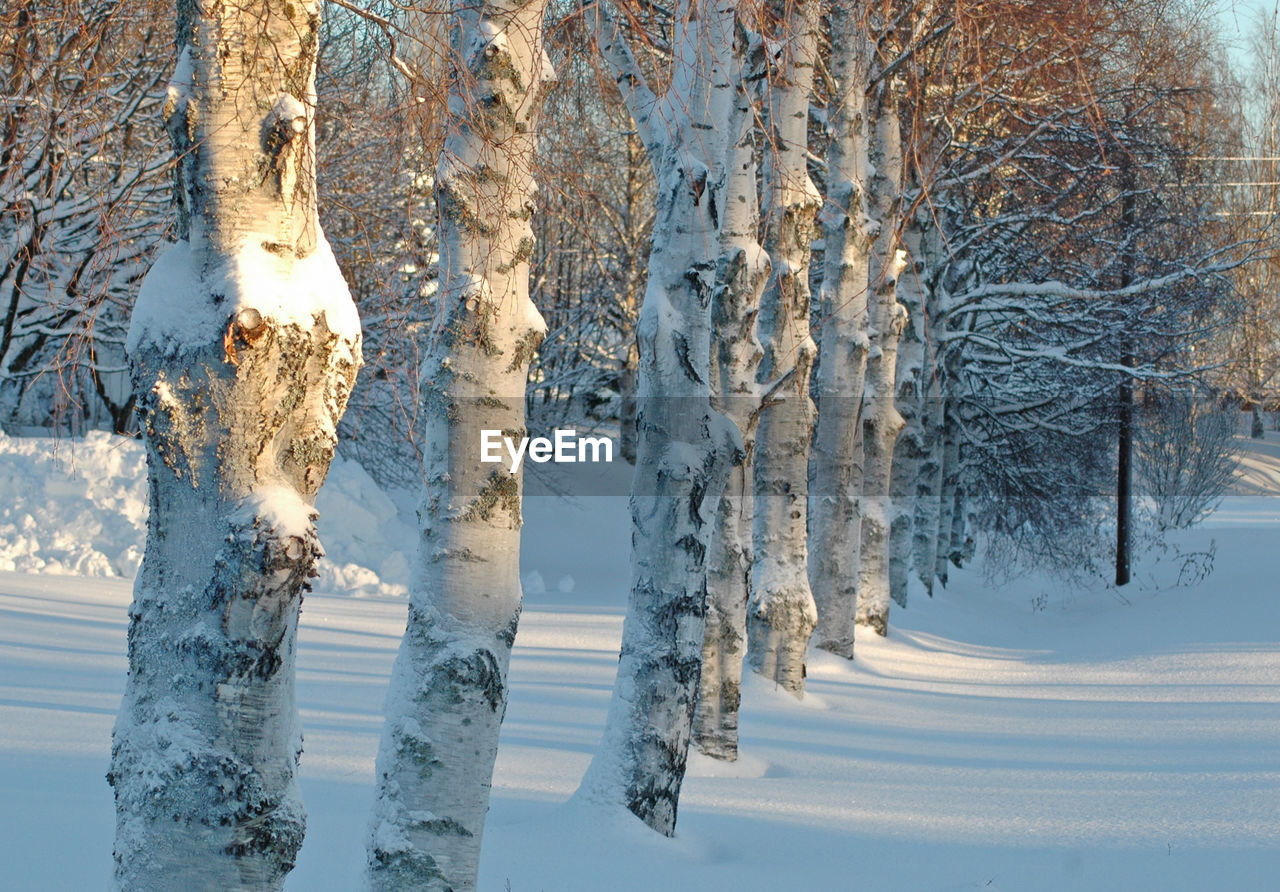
[928, 483]
[961, 541]
[627, 407]
[244, 346]
[881, 422]
[909, 451]
[947, 496]
[848, 231]
[782, 613]
[741, 275]
[929, 471]
[685, 448]
[449, 685]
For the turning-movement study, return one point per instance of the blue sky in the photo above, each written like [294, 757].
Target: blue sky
[1238, 17]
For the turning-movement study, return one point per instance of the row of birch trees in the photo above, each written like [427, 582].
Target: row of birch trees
[889, 242]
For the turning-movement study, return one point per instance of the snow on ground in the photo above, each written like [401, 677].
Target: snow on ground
[1258, 472]
[1024, 737]
[79, 505]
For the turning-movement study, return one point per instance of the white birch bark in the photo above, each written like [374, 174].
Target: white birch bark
[929, 471]
[962, 543]
[947, 495]
[848, 232]
[782, 613]
[881, 422]
[684, 449]
[909, 451]
[449, 684]
[244, 346]
[741, 275]
[924, 529]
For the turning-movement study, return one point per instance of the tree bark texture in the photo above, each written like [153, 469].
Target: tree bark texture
[782, 613]
[244, 346]
[881, 422]
[929, 471]
[685, 449]
[950, 484]
[448, 688]
[909, 451]
[848, 231]
[741, 275]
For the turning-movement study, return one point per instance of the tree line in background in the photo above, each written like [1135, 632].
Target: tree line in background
[87, 176]
[857, 282]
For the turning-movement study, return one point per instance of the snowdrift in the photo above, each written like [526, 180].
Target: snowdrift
[79, 506]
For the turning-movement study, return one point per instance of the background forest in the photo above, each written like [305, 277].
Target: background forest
[1084, 205]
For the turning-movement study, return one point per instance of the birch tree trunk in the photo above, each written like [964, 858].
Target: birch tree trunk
[924, 528]
[881, 422]
[782, 613]
[909, 451]
[627, 408]
[929, 472]
[244, 345]
[947, 497]
[684, 449]
[961, 547]
[741, 275]
[449, 685]
[848, 231]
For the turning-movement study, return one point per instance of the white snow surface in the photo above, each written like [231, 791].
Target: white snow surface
[181, 303]
[80, 506]
[1027, 736]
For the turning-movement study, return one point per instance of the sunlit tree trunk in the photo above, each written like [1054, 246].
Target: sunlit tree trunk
[929, 471]
[848, 231]
[909, 451]
[449, 684]
[881, 422]
[782, 613]
[741, 275]
[685, 449]
[244, 346]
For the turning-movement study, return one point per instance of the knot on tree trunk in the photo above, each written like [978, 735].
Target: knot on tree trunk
[263, 571]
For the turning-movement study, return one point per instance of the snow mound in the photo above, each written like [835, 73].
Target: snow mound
[72, 506]
[366, 541]
[79, 506]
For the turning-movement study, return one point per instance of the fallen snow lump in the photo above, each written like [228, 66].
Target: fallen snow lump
[79, 506]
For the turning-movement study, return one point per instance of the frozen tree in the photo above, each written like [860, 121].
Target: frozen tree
[848, 231]
[449, 683]
[380, 136]
[1252, 338]
[881, 422]
[782, 613]
[244, 344]
[741, 275]
[1185, 455]
[909, 451]
[593, 231]
[929, 263]
[915, 478]
[83, 190]
[684, 447]
[1015, 169]
[1099, 267]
